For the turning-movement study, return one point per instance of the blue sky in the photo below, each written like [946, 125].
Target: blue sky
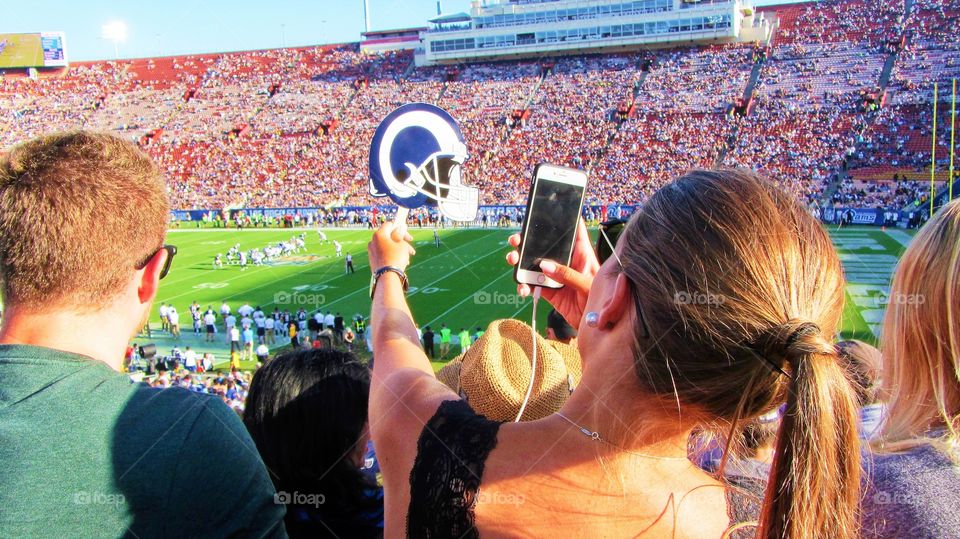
[172, 27]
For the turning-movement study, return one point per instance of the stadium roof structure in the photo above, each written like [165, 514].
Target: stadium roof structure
[378, 33]
[450, 18]
[513, 29]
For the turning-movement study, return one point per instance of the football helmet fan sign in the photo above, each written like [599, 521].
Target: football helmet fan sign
[416, 158]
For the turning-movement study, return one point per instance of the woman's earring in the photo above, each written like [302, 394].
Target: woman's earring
[593, 319]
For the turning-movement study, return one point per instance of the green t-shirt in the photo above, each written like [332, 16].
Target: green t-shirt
[464, 337]
[445, 335]
[87, 453]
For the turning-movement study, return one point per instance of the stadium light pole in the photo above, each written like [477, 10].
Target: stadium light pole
[933, 153]
[115, 31]
[366, 15]
[953, 137]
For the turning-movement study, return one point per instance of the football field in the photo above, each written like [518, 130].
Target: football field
[464, 283]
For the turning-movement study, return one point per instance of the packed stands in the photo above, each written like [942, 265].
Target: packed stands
[896, 148]
[291, 127]
[861, 22]
[807, 114]
[680, 121]
[568, 122]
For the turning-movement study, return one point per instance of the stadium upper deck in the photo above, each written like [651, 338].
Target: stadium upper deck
[291, 127]
[509, 30]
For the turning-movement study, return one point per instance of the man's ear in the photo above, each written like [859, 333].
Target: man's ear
[617, 304]
[150, 277]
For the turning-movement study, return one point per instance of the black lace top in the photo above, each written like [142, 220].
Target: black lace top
[448, 468]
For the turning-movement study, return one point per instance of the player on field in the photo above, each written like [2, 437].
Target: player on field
[338, 247]
[164, 323]
[197, 323]
[270, 324]
[218, 261]
[173, 318]
[229, 322]
[210, 320]
[436, 238]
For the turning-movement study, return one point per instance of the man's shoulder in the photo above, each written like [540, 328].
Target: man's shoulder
[213, 473]
[159, 425]
[174, 402]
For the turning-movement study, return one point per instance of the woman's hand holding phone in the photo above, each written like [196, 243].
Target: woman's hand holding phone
[577, 278]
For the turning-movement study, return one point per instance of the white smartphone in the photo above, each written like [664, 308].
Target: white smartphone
[550, 224]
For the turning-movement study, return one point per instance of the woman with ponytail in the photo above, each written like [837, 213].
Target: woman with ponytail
[719, 305]
[915, 468]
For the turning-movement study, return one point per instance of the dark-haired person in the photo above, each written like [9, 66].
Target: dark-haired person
[754, 451]
[915, 468]
[613, 461]
[338, 326]
[293, 329]
[864, 364]
[428, 337]
[307, 413]
[559, 330]
[83, 451]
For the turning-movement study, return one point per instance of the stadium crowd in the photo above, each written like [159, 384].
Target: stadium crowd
[288, 127]
[805, 418]
[699, 388]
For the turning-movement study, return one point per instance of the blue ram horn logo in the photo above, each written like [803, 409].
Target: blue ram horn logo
[416, 158]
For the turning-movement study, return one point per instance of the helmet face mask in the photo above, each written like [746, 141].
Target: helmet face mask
[416, 159]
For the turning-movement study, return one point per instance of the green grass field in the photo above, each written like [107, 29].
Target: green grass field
[463, 283]
[22, 50]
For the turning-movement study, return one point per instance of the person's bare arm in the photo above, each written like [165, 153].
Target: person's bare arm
[404, 391]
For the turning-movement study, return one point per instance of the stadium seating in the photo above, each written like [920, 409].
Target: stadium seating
[291, 127]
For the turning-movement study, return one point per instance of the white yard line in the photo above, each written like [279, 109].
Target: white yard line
[355, 292]
[469, 297]
[900, 237]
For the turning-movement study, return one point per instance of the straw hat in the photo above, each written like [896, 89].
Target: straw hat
[493, 374]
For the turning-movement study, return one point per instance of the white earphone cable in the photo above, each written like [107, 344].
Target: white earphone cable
[533, 363]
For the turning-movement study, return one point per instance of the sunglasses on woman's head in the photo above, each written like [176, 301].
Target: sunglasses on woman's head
[606, 247]
[607, 239]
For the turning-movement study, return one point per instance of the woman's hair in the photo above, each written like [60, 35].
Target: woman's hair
[307, 411]
[920, 339]
[738, 294]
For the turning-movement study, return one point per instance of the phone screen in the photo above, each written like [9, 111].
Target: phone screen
[551, 223]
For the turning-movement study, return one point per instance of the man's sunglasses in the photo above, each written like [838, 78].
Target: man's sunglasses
[171, 252]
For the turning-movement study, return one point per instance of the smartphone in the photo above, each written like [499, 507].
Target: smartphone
[550, 225]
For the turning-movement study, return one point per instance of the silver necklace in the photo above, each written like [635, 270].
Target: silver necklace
[595, 436]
